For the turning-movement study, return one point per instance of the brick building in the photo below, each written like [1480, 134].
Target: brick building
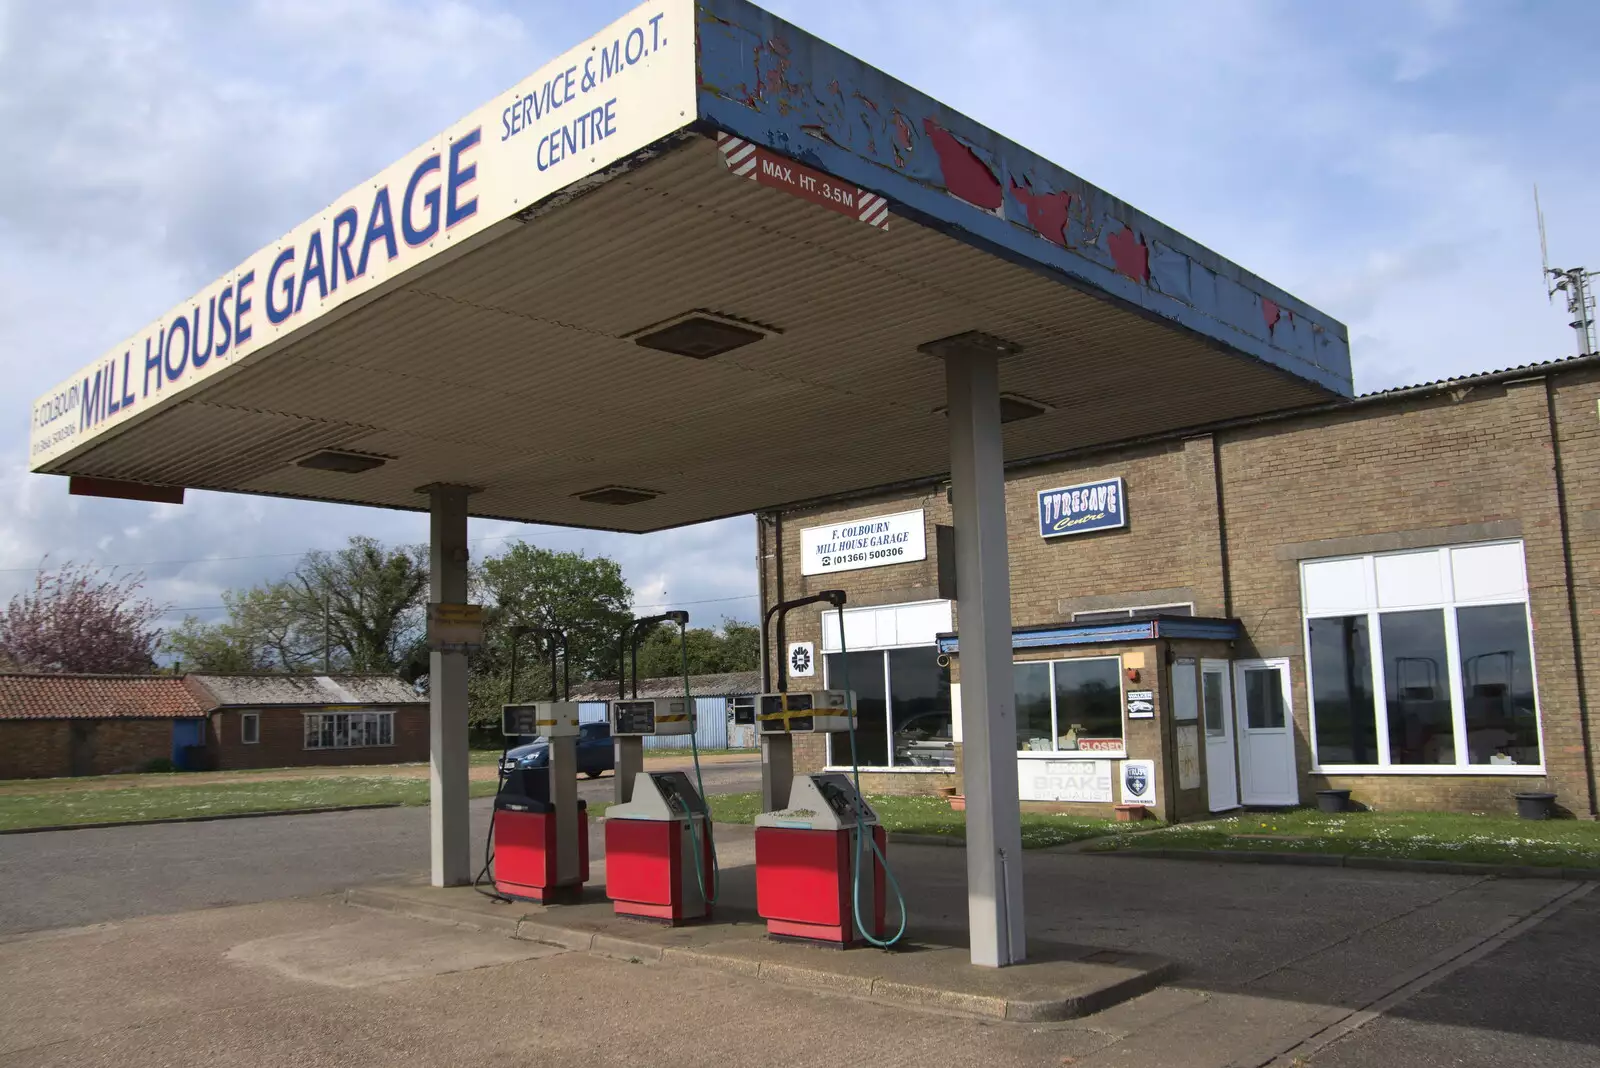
[54, 725]
[274, 721]
[1394, 595]
[57, 725]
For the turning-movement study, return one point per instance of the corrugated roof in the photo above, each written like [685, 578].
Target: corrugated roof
[305, 690]
[1479, 377]
[725, 684]
[32, 696]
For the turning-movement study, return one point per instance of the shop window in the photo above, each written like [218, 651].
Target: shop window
[348, 730]
[1422, 660]
[903, 716]
[903, 712]
[250, 728]
[1069, 705]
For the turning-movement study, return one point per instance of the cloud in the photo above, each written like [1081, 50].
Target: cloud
[1373, 158]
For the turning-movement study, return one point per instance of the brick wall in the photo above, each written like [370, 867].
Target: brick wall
[35, 749]
[43, 748]
[1470, 464]
[1577, 408]
[282, 741]
[129, 744]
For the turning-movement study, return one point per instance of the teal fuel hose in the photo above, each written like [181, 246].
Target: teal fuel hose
[863, 838]
[699, 784]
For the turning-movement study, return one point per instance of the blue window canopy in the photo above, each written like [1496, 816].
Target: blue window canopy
[1119, 632]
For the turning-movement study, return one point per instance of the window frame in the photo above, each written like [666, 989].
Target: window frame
[245, 719]
[1447, 606]
[1055, 726]
[355, 722]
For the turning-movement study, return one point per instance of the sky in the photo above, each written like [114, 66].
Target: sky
[1376, 159]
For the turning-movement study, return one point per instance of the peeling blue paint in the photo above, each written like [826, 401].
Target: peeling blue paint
[1169, 272]
[769, 82]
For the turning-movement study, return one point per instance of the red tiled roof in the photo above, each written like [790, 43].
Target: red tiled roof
[97, 697]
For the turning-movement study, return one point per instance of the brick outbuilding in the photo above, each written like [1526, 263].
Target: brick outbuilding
[54, 725]
[57, 725]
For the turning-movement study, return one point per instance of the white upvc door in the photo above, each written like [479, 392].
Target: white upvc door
[1266, 733]
[1216, 710]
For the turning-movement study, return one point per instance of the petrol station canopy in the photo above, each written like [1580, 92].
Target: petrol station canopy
[683, 271]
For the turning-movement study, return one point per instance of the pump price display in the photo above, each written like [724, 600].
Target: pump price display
[634, 717]
[519, 720]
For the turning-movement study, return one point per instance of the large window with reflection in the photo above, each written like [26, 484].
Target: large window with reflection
[903, 710]
[1422, 661]
[1069, 705]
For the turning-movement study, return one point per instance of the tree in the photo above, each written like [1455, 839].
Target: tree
[358, 609]
[80, 618]
[541, 591]
[734, 647]
[371, 600]
[261, 633]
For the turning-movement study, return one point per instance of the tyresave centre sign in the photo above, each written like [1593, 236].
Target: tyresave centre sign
[1079, 509]
[871, 542]
[626, 87]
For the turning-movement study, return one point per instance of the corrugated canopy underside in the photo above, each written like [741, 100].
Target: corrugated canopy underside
[511, 368]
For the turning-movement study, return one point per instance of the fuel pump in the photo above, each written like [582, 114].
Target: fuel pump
[540, 826]
[661, 862]
[633, 720]
[821, 871]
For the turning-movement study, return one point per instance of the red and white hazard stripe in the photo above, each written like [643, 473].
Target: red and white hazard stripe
[872, 209]
[738, 154]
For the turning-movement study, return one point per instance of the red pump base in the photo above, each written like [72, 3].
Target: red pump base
[804, 883]
[645, 874]
[525, 856]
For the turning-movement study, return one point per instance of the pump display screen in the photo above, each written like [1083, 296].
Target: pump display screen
[519, 720]
[678, 792]
[634, 717]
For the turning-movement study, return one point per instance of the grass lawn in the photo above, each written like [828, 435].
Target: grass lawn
[933, 815]
[55, 807]
[1408, 835]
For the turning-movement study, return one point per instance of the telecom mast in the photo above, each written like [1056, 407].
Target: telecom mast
[1574, 283]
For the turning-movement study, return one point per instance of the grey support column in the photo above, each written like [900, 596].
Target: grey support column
[629, 765]
[983, 625]
[448, 824]
[777, 770]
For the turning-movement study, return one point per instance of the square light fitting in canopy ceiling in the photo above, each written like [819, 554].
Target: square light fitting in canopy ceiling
[345, 463]
[700, 335]
[618, 495]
